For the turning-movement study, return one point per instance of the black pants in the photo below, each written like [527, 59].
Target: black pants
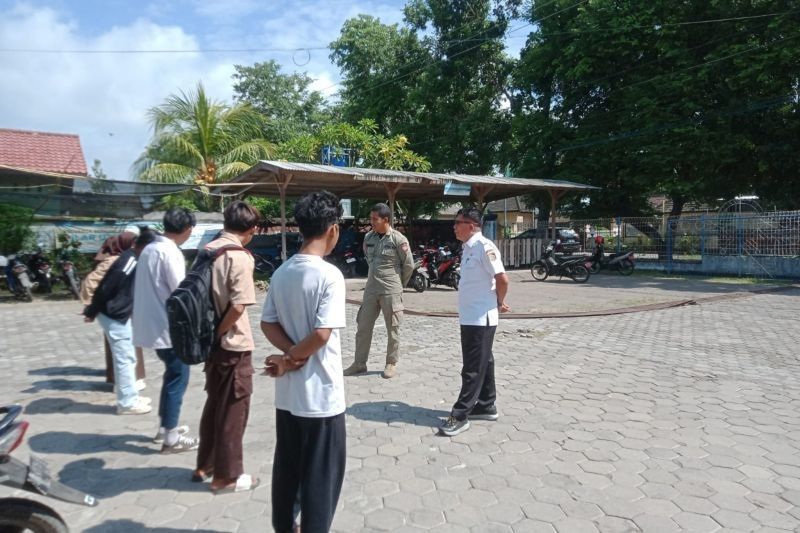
[310, 455]
[477, 373]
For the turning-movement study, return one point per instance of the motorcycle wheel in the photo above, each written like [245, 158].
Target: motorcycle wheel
[418, 282]
[595, 267]
[74, 287]
[539, 272]
[263, 265]
[17, 514]
[45, 286]
[626, 268]
[579, 274]
[455, 279]
[27, 295]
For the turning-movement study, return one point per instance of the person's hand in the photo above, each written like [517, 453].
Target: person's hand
[88, 319]
[503, 307]
[275, 365]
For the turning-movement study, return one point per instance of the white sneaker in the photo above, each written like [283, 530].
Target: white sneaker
[159, 438]
[183, 444]
[139, 408]
[140, 385]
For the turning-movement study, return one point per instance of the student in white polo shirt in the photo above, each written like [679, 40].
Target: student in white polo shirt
[481, 296]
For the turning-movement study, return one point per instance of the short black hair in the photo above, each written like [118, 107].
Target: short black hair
[472, 213]
[146, 236]
[316, 212]
[241, 216]
[382, 210]
[178, 220]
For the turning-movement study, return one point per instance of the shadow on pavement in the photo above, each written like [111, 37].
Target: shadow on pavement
[66, 371]
[92, 477]
[49, 406]
[396, 412]
[86, 443]
[129, 526]
[61, 384]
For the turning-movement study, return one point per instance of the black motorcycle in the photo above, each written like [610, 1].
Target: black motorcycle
[40, 271]
[20, 514]
[622, 262]
[350, 260]
[575, 268]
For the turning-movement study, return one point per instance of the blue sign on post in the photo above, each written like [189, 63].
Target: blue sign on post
[457, 189]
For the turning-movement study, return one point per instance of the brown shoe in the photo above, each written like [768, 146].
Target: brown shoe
[389, 371]
[355, 369]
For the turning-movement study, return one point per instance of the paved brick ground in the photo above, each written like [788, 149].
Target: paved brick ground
[677, 420]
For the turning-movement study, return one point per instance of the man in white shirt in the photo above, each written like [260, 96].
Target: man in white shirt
[481, 296]
[160, 270]
[303, 313]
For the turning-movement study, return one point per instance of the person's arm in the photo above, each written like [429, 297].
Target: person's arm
[408, 262]
[501, 287]
[105, 290]
[240, 289]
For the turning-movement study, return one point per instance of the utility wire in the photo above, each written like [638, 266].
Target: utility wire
[165, 51]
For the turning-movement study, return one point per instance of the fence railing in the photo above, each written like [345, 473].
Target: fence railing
[690, 237]
[519, 252]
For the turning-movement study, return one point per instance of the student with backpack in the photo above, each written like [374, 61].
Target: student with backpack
[160, 269]
[303, 313]
[229, 368]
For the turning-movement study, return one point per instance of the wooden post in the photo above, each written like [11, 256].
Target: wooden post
[283, 183]
[480, 192]
[555, 195]
[391, 192]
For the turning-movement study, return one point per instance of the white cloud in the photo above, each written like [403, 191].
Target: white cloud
[102, 97]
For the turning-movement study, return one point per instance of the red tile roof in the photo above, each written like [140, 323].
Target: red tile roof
[42, 151]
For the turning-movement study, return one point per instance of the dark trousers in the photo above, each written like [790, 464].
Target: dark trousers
[477, 373]
[310, 455]
[229, 386]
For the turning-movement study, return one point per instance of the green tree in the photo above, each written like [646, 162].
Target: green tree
[201, 141]
[642, 99]
[15, 228]
[286, 100]
[100, 184]
[441, 79]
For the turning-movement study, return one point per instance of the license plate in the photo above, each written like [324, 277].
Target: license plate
[350, 260]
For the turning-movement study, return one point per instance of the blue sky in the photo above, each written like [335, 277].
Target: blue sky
[104, 97]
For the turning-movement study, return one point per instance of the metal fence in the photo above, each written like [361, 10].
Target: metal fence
[690, 237]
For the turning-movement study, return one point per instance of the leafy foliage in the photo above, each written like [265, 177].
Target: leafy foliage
[197, 140]
[15, 228]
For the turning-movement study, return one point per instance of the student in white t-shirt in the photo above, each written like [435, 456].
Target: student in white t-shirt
[303, 313]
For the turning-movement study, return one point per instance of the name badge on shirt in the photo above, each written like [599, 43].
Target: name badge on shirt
[388, 251]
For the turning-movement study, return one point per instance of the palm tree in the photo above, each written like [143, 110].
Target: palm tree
[197, 140]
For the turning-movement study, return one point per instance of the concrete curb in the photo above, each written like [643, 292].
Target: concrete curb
[609, 312]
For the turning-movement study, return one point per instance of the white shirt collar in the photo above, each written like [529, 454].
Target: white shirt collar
[473, 240]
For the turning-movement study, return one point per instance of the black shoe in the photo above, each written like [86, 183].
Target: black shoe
[452, 426]
[490, 413]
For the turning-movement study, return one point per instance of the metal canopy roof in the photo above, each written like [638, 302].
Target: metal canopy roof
[266, 177]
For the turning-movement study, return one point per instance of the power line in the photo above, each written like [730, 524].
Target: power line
[433, 60]
[165, 51]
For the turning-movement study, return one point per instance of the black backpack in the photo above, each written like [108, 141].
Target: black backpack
[191, 313]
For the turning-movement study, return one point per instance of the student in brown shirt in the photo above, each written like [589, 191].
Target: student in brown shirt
[229, 368]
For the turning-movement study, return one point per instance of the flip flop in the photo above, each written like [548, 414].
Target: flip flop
[197, 478]
[244, 483]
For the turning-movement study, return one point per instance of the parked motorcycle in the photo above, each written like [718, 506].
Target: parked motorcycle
[40, 271]
[350, 260]
[69, 276]
[575, 268]
[623, 262]
[436, 266]
[20, 514]
[18, 279]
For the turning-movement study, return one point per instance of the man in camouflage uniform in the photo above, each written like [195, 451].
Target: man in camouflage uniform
[390, 267]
